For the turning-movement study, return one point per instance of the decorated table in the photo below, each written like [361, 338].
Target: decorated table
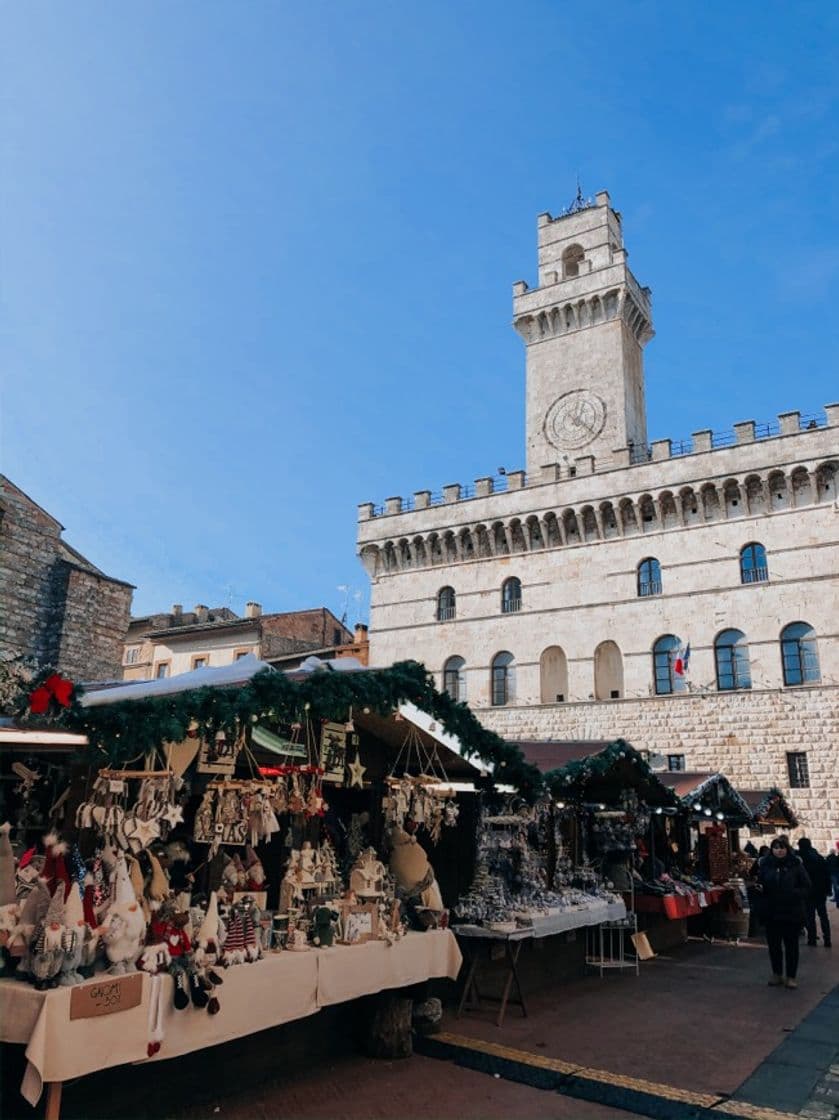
[278, 989]
[478, 943]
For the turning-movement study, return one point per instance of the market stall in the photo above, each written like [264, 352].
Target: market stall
[714, 812]
[770, 812]
[238, 850]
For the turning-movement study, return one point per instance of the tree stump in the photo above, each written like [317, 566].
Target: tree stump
[387, 1031]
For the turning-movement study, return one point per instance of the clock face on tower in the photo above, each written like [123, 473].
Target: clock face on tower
[575, 419]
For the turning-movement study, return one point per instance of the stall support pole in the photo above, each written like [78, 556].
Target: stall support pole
[53, 1108]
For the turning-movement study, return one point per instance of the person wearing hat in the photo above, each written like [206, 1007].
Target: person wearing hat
[782, 885]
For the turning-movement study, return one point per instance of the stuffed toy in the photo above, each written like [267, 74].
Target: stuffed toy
[414, 877]
[124, 927]
[323, 926]
[47, 952]
[9, 905]
[77, 935]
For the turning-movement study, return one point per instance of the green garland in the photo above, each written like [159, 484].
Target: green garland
[127, 730]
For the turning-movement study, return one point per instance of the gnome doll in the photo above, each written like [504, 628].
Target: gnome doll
[255, 880]
[76, 935]
[32, 913]
[47, 952]
[124, 926]
[209, 942]
[9, 905]
[55, 866]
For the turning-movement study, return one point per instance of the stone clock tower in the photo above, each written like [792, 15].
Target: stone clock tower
[585, 327]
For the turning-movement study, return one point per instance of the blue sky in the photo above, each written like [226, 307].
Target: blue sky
[258, 258]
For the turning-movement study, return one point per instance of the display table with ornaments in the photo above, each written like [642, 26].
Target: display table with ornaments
[478, 942]
[279, 988]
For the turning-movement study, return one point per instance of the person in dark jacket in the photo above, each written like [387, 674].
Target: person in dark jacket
[832, 862]
[816, 867]
[782, 885]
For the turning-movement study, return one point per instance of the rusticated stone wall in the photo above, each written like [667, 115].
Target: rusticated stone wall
[746, 735]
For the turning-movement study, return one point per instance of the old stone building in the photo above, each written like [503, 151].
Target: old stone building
[166, 644]
[563, 601]
[55, 605]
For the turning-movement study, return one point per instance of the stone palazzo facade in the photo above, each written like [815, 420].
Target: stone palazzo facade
[560, 601]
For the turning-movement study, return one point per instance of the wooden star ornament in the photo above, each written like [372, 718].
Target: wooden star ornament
[357, 772]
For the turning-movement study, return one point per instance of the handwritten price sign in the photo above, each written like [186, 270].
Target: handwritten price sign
[106, 996]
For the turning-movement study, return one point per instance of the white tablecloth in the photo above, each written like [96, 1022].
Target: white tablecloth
[275, 990]
[575, 917]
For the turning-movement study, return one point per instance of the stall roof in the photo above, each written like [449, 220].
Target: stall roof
[392, 730]
[615, 766]
[690, 786]
[769, 807]
[239, 672]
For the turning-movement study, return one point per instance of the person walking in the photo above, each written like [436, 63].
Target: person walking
[832, 862]
[816, 867]
[782, 885]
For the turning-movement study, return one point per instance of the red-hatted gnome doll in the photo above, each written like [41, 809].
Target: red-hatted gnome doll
[255, 872]
[168, 930]
[55, 866]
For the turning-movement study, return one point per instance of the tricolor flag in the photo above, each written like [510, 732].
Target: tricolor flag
[680, 665]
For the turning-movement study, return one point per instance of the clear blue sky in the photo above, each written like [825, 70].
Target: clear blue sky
[257, 258]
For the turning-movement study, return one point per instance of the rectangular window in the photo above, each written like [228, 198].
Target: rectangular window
[799, 773]
[200, 662]
[240, 653]
[675, 762]
[336, 637]
[132, 655]
[161, 670]
[499, 687]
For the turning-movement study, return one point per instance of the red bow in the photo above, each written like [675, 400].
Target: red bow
[56, 688]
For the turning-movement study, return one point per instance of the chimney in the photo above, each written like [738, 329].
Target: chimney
[360, 633]
[177, 612]
[253, 610]
[201, 612]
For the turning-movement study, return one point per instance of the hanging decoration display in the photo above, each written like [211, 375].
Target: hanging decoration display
[417, 789]
[131, 808]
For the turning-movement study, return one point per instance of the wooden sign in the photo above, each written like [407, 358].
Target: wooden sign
[106, 996]
[333, 752]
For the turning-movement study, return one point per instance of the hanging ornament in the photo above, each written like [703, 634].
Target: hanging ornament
[357, 772]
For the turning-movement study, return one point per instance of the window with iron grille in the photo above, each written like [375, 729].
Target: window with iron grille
[675, 762]
[799, 772]
[446, 604]
[511, 595]
[649, 577]
[753, 564]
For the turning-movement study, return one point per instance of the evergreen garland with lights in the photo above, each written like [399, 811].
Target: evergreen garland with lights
[128, 729]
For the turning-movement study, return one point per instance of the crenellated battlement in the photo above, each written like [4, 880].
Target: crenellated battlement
[660, 451]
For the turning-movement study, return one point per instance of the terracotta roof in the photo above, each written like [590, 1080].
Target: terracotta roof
[550, 755]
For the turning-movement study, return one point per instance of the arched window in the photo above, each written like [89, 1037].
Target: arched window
[502, 679]
[753, 565]
[454, 678]
[800, 654]
[649, 577]
[571, 259]
[511, 595]
[608, 672]
[553, 675]
[731, 653]
[665, 653]
[445, 604]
